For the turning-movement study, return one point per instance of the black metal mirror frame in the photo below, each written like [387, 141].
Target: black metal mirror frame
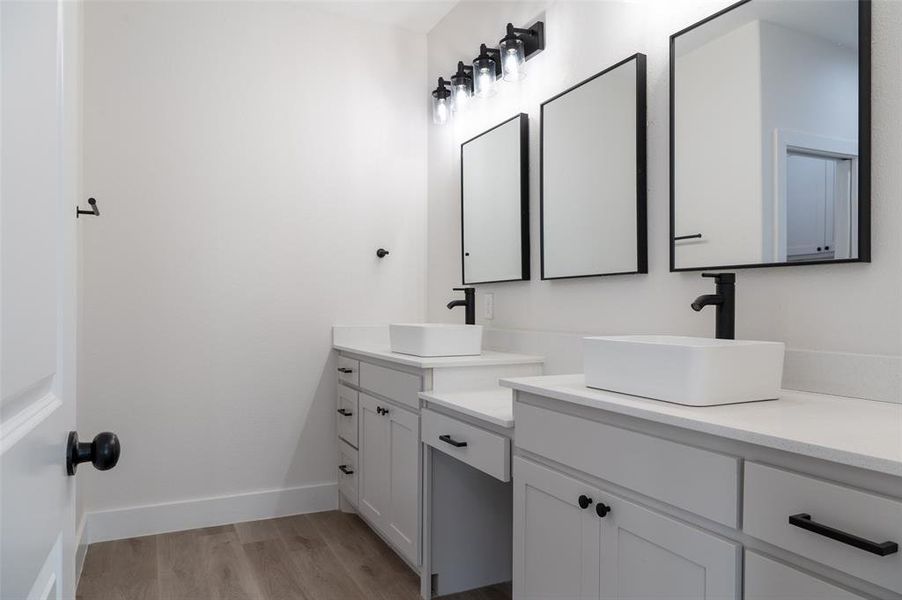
[864, 146]
[524, 201]
[641, 169]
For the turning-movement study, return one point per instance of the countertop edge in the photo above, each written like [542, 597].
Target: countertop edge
[447, 403]
[776, 442]
[443, 362]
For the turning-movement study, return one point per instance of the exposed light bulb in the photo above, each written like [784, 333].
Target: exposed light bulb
[441, 111]
[461, 95]
[485, 83]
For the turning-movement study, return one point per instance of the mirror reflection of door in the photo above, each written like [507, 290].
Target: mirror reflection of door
[818, 206]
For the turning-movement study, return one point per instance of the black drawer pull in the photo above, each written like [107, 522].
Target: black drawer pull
[345, 370]
[344, 469]
[345, 412]
[381, 411]
[449, 440]
[879, 548]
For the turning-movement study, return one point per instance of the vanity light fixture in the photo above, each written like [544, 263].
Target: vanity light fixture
[441, 103]
[518, 45]
[486, 69]
[479, 79]
[462, 87]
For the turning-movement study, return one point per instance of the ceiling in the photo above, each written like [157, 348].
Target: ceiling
[418, 16]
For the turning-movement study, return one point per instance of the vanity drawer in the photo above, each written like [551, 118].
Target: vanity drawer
[395, 385]
[484, 450]
[773, 495]
[700, 481]
[347, 414]
[348, 370]
[767, 579]
[347, 471]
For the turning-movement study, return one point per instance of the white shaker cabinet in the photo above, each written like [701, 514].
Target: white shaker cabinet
[389, 472]
[576, 541]
[767, 579]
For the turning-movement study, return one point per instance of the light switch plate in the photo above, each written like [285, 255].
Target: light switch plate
[488, 306]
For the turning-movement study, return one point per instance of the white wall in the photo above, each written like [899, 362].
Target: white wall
[843, 308]
[248, 160]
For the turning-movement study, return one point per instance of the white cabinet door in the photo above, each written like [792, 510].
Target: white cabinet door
[388, 483]
[402, 524]
[556, 544]
[766, 579]
[645, 554]
[373, 459]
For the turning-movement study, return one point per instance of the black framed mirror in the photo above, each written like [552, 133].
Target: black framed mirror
[494, 204]
[770, 136]
[593, 175]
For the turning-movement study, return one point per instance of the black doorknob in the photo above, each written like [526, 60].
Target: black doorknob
[602, 509]
[584, 501]
[102, 452]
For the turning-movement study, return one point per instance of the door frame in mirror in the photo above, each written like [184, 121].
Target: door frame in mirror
[641, 170]
[864, 147]
[524, 201]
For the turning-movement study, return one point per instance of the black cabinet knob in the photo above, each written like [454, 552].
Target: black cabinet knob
[102, 452]
[826, 247]
[818, 248]
[381, 411]
[602, 509]
[382, 253]
[584, 501]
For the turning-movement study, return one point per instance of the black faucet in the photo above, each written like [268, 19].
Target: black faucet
[724, 299]
[469, 302]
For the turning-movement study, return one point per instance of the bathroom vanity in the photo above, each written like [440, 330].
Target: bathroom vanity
[617, 496]
[382, 465]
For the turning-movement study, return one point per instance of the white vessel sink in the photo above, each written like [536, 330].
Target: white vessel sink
[436, 339]
[685, 370]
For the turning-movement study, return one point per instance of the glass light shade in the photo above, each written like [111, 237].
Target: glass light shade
[441, 109]
[460, 95]
[513, 58]
[484, 77]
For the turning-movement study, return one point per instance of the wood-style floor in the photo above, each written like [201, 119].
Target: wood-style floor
[322, 556]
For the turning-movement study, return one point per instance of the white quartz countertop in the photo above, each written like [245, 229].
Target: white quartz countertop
[850, 431]
[487, 358]
[494, 406]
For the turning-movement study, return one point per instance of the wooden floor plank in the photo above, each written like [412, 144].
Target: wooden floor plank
[228, 571]
[322, 556]
[121, 570]
[257, 531]
[322, 575]
[277, 576]
[375, 568]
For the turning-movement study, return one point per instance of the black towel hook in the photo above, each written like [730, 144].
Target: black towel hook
[94, 210]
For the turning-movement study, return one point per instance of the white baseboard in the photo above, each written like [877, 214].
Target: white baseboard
[122, 523]
[81, 547]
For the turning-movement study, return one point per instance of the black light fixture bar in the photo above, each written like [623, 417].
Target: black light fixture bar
[533, 37]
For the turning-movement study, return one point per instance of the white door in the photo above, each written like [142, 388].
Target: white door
[404, 465]
[645, 554]
[818, 207]
[373, 459]
[556, 540]
[38, 185]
